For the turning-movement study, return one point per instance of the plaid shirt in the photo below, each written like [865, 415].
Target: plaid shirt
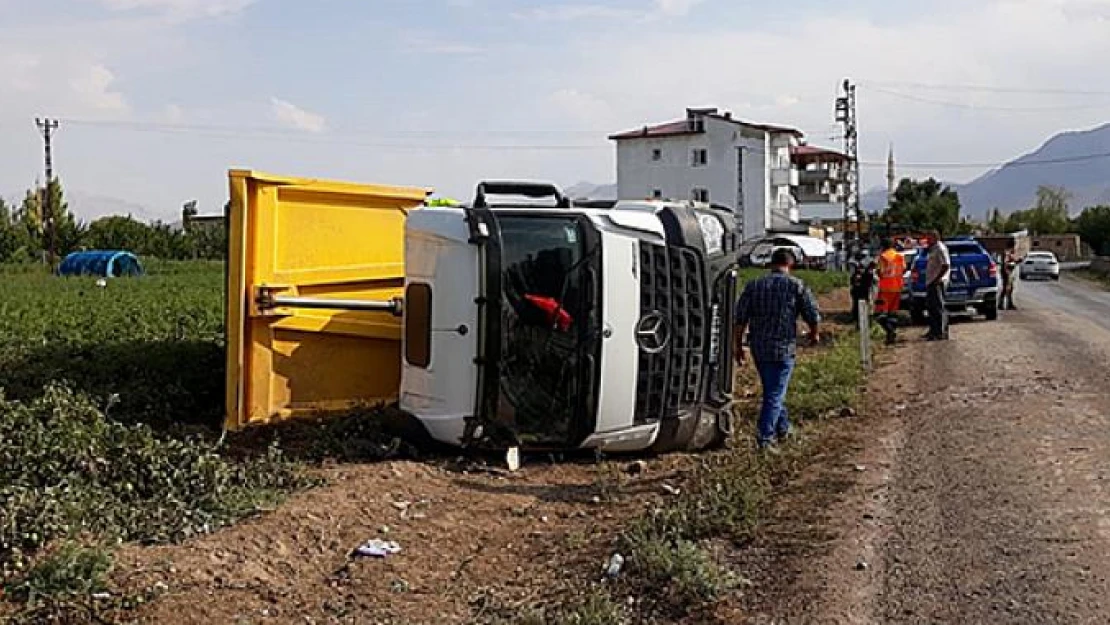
[771, 306]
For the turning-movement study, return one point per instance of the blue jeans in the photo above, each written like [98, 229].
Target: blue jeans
[773, 420]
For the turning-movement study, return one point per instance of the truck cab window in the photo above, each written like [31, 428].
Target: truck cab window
[545, 315]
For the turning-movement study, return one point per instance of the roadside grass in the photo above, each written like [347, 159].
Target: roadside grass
[672, 565]
[1097, 277]
[821, 282]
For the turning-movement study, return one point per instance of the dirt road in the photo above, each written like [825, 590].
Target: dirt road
[977, 490]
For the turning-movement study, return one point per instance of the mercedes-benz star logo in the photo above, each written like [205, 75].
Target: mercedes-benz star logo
[653, 332]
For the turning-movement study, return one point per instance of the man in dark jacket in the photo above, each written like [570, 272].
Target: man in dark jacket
[770, 308]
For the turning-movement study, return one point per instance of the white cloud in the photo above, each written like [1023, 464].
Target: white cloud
[597, 11]
[675, 7]
[180, 8]
[584, 109]
[572, 12]
[173, 114]
[289, 114]
[93, 87]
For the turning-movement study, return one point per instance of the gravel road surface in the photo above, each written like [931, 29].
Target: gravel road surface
[977, 488]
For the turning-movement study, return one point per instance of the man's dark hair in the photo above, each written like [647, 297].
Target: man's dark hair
[783, 257]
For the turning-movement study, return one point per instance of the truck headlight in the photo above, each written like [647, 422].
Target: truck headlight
[712, 233]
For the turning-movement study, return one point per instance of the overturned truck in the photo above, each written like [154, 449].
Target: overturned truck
[520, 319]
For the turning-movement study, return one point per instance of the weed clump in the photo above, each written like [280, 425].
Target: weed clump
[68, 470]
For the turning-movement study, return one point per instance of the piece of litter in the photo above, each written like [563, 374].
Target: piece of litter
[402, 505]
[860, 467]
[512, 458]
[377, 548]
[670, 490]
[101, 596]
[613, 568]
[862, 565]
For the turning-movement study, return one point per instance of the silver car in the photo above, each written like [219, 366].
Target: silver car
[1040, 265]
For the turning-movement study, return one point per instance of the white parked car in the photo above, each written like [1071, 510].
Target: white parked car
[1040, 265]
[761, 256]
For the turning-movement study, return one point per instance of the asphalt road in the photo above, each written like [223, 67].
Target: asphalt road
[1071, 296]
[978, 484]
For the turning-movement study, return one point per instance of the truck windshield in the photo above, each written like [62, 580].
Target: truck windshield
[546, 321]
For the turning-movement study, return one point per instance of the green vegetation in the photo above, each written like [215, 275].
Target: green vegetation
[24, 236]
[822, 282]
[925, 205]
[1093, 226]
[1048, 216]
[671, 563]
[151, 347]
[72, 570]
[97, 388]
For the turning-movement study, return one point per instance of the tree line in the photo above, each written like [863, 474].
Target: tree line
[25, 233]
[925, 205]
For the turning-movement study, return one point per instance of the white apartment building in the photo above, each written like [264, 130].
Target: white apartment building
[821, 183]
[711, 157]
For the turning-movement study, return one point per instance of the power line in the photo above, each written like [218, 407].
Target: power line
[215, 132]
[966, 105]
[984, 88]
[342, 133]
[1018, 163]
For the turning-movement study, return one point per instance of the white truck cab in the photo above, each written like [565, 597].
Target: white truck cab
[601, 325]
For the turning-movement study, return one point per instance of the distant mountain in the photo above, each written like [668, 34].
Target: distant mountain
[591, 191]
[87, 207]
[1063, 161]
[1014, 185]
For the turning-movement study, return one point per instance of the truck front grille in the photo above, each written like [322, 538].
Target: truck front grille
[672, 282]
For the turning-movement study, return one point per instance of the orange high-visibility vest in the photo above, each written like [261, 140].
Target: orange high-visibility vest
[892, 271]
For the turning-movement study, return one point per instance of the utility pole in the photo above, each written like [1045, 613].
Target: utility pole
[47, 127]
[846, 116]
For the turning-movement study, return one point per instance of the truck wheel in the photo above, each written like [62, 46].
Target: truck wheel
[990, 310]
[712, 430]
[917, 313]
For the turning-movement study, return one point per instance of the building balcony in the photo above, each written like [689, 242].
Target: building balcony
[818, 176]
[784, 177]
[817, 197]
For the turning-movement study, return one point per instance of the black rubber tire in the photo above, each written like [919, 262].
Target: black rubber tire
[990, 310]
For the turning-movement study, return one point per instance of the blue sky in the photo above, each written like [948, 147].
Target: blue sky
[158, 98]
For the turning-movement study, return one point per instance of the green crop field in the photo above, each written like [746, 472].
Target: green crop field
[154, 344]
[105, 392]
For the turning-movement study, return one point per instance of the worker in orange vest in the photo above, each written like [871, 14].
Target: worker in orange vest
[892, 271]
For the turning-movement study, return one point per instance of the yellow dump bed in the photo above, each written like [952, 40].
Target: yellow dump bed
[312, 239]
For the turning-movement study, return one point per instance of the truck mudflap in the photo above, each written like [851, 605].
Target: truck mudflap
[294, 246]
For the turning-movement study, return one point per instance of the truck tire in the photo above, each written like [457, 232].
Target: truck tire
[712, 430]
[917, 313]
[990, 310]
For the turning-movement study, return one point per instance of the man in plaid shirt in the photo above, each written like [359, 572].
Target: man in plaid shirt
[770, 308]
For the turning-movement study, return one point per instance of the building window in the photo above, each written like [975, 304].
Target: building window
[700, 157]
[657, 194]
[656, 155]
[700, 195]
[1059, 244]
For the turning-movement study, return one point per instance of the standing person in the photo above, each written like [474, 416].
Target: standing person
[938, 269]
[892, 272]
[862, 282]
[770, 307]
[1009, 276]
